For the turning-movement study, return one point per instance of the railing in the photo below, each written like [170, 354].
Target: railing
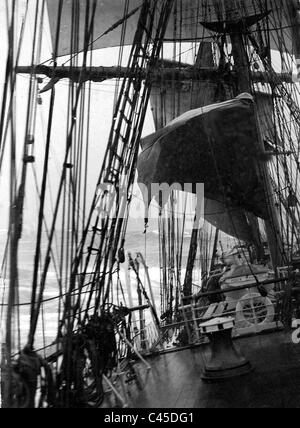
[254, 312]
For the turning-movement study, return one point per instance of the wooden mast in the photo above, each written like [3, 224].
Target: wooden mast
[241, 64]
[7, 382]
[204, 59]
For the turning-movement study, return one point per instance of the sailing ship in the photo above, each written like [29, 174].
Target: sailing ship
[82, 324]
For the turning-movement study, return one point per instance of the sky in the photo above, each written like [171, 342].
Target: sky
[101, 114]
[101, 118]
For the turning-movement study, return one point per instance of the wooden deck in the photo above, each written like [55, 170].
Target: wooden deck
[175, 379]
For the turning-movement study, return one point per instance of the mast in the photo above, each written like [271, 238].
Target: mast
[140, 302]
[215, 249]
[188, 281]
[241, 63]
[204, 59]
[13, 237]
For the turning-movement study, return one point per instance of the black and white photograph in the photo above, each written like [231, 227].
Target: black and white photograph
[149, 206]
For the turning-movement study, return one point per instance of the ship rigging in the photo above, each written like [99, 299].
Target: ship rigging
[219, 81]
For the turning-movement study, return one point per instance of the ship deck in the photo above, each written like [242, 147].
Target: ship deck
[175, 378]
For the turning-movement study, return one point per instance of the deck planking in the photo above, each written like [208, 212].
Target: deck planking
[175, 379]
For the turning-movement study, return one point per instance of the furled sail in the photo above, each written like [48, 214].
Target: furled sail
[185, 23]
[214, 145]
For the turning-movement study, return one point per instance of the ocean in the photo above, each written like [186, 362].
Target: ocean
[136, 242]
